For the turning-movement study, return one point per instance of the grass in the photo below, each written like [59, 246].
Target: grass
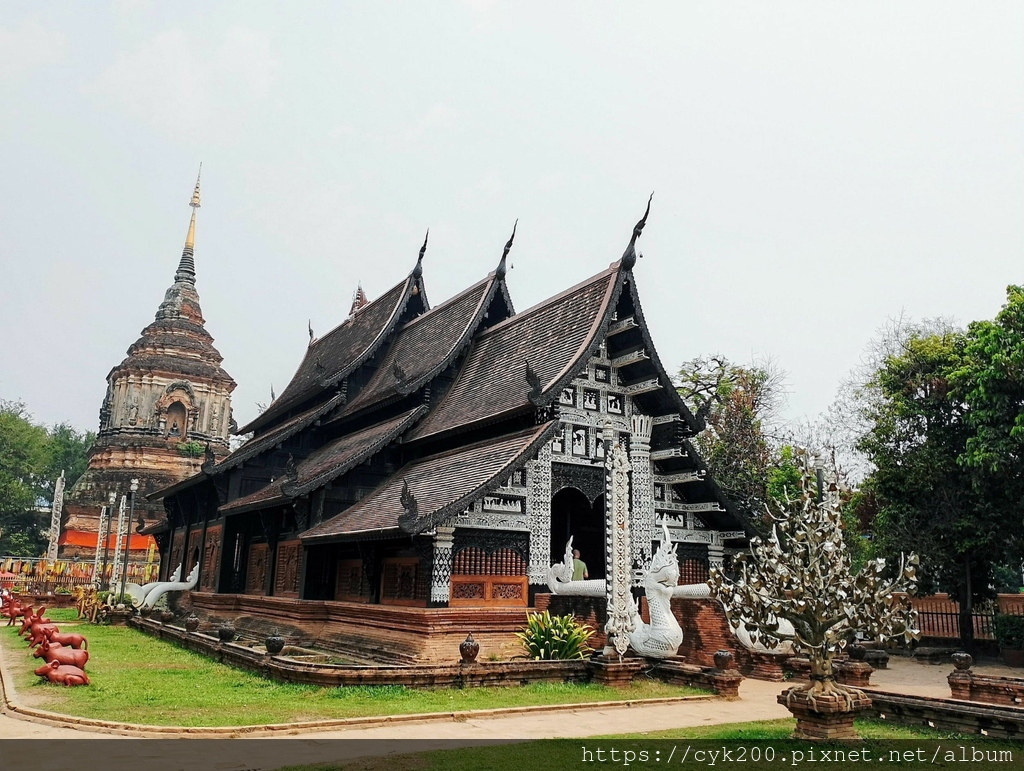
[139, 679]
[880, 739]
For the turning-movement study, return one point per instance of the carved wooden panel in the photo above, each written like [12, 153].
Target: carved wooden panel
[177, 549]
[195, 539]
[401, 581]
[256, 569]
[210, 570]
[351, 583]
[489, 591]
[286, 579]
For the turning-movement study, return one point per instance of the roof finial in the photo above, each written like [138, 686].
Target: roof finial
[358, 300]
[418, 270]
[187, 266]
[629, 256]
[311, 337]
[500, 270]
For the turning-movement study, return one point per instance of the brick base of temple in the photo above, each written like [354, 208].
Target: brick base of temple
[361, 632]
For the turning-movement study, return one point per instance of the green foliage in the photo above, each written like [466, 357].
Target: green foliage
[31, 459]
[1009, 631]
[738, 404]
[191, 449]
[555, 637]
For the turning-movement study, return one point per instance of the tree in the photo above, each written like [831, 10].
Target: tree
[31, 459]
[991, 384]
[24, 452]
[740, 406]
[918, 430]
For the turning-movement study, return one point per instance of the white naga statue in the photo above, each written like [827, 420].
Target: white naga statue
[158, 591]
[139, 593]
[663, 636]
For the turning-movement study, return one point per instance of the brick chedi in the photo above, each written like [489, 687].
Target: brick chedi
[167, 404]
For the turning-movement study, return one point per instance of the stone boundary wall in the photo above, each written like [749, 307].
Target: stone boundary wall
[988, 689]
[360, 632]
[946, 714]
[705, 630]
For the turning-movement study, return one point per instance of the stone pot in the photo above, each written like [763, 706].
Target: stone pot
[166, 617]
[192, 623]
[226, 633]
[723, 659]
[857, 652]
[962, 661]
[469, 648]
[145, 611]
[275, 644]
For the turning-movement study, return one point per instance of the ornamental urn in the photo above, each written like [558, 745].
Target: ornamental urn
[469, 648]
[857, 652]
[275, 644]
[145, 611]
[192, 623]
[226, 633]
[723, 659]
[166, 617]
[962, 661]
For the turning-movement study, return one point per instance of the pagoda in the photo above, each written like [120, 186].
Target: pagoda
[167, 406]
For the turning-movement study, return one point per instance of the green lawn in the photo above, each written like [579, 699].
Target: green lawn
[880, 739]
[139, 679]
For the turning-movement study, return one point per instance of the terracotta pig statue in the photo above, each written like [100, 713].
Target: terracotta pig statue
[48, 651]
[71, 639]
[66, 675]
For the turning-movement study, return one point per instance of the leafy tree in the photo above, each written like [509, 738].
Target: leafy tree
[991, 384]
[740, 406]
[31, 458]
[918, 434]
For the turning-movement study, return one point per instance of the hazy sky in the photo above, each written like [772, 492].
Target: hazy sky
[817, 168]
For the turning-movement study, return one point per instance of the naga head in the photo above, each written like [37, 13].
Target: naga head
[664, 567]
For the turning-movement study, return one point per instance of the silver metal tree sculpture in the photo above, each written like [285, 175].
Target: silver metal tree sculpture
[802, 573]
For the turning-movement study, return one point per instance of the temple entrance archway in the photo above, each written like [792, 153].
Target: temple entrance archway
[572, 514]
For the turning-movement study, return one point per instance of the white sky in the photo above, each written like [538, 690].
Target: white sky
[817, 168]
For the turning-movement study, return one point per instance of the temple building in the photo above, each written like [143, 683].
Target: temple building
[441, 457]
[167, 405]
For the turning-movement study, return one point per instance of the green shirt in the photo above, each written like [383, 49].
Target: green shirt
[579, 568]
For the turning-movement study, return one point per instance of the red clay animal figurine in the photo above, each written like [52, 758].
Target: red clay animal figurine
[30, 618]
[48, 651]
[66, 675]
[38, 633]
[71, 639]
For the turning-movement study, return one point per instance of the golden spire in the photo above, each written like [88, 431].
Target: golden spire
[187, 268]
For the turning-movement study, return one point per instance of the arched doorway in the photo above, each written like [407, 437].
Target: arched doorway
[573, 515]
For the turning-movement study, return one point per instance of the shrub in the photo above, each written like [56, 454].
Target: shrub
[1009, 631]
[555, 637]
[191, 449]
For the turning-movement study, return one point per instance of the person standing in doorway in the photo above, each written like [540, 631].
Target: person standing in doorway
[579, 567]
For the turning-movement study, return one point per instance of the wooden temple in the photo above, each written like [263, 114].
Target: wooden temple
[441, 457]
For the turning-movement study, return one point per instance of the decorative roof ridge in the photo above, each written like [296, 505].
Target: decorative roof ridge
[402, 422]
[401, 301]
[541, 434]
[588, 346]
[258, 443]
[543, 304]
[696, 424]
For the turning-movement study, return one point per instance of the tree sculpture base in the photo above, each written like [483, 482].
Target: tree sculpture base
[822, 715]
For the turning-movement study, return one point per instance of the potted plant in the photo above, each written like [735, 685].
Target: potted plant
[1009, 633]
